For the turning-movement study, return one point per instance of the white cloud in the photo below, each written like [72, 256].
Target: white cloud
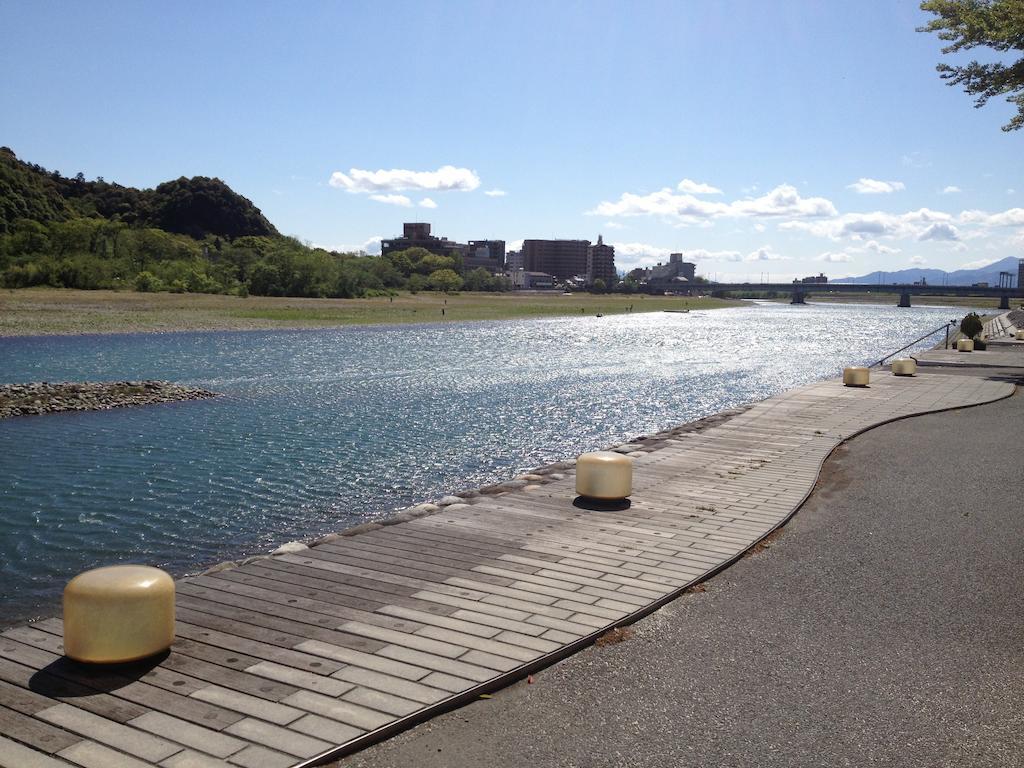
[1011, 191]
[861, 226]
[940, 231]
[495, 192]
[513, 245]
[631, 255]
[1013, 217]
[834, 258]
[951, 190]
[917, 260]
[875, 247]
[765, 253]
[613, 225]
[784, 200]
[978, 264]
[445, 178]
[370, 245]
[426, 202]
[915, 160]
[400, 200]
[875, 187]
[697, 188]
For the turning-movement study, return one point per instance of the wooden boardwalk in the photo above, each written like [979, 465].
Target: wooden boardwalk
[292, 659]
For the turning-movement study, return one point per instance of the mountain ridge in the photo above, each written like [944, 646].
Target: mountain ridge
[986, 274]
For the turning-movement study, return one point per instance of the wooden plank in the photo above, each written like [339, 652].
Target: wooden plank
[35, 733]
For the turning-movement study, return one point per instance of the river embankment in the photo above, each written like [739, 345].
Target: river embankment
[38, 398]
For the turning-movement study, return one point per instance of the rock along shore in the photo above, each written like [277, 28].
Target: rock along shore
[45, 397]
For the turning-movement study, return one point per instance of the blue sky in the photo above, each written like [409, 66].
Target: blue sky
[759, 138]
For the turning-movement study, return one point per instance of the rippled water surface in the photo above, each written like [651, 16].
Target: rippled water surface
[319, 430]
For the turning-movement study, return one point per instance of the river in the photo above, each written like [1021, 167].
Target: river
[320, 430]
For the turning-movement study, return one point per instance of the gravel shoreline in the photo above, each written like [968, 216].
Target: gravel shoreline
[43, 397]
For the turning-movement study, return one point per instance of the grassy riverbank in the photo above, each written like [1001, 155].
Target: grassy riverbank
[35, 311]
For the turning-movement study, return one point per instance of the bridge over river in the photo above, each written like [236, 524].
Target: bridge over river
[800, 291]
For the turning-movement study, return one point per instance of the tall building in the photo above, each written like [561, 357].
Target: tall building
[563, 259]
[568, 259]
[1020, 275]
[489, 254]
[417, 235]
[601, 262]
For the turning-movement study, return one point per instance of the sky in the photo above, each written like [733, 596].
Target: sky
[760, 139]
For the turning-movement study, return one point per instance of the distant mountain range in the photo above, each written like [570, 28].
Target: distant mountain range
[987, 274]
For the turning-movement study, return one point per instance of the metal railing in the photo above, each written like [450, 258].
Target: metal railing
[917, 341]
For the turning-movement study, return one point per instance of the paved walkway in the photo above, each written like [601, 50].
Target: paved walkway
[285, 660]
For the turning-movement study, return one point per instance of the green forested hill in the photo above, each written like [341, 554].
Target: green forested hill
[193, 235]
[197, 207]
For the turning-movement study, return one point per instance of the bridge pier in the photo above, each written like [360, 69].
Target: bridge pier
[1004, 301]
[798, 297]
[904, 299]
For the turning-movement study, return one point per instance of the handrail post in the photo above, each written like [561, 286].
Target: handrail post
[947, 335]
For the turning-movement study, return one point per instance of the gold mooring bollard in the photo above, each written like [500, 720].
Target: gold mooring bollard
[1019, 335]
[604, 475]
[856, 376]
[965, 345]
[117, 614]
[905, 366]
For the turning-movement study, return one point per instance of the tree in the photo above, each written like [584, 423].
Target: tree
[994, 24]
[444, 280]
[599, 286]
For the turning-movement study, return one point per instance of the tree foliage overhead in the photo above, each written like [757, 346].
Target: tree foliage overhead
[994, 24]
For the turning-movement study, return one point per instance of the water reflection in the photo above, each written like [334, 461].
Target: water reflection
[319, 430]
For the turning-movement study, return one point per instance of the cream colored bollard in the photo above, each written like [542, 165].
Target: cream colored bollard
[118, 614]
[1020, 334]
[604, 475]
[856, 376]
[906, 366]
[965, 345]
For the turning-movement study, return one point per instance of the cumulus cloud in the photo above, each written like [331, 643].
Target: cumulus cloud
[613, 225]
[951, 190]
[765, 253]
[426, 202]
[834, 258]
[940, 231]
[784, 200]
[400, 200]
[875, 187]
[445, 178]
[917, 260]
[869, 226]
[697, 188]
[495, 192]
[1014, 217]
[873, 246]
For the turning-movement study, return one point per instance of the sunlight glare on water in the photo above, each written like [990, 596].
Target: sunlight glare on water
[320, 430]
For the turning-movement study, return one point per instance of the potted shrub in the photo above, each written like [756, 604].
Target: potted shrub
[970, 327]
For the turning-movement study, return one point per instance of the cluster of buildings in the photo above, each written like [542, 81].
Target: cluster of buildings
[545, 263]
[539, 264]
